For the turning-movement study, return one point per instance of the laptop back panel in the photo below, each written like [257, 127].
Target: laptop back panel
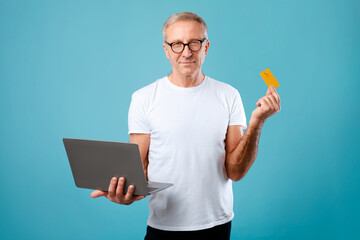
[94, 163]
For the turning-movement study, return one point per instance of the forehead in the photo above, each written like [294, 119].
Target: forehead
[184, 31]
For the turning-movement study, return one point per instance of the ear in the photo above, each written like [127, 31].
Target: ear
[166, 51]
[207, 44]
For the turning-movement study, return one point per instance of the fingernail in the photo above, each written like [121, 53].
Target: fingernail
[121, 179]
[114, 179]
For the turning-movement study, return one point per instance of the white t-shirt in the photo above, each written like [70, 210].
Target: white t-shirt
[187, 128]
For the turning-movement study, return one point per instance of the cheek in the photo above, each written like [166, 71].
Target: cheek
[202, 57]
[175, 58]
[199, 59]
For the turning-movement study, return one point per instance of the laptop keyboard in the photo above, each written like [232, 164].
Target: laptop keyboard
[150, 189]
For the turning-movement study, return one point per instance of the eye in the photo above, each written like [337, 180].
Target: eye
[177, 44]
[195, 45]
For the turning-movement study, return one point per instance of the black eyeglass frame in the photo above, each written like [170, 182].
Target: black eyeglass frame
[186, 44]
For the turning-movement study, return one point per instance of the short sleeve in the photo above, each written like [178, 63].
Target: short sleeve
[237, 113]
[137, 117]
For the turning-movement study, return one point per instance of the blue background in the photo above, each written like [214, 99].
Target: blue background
[68, 69]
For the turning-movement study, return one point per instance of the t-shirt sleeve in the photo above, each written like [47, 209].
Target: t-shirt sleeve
[137, 117]
[237, 113]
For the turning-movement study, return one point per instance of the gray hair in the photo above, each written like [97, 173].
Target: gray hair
[184, 16]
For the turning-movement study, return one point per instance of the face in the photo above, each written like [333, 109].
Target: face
[186, 63]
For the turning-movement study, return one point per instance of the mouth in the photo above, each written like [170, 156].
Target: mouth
[187, 62]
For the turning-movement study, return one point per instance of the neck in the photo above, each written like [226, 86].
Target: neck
[186, 81]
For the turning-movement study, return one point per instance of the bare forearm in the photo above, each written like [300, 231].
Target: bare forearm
[239, 161]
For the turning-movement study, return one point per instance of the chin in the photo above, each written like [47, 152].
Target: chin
[188, 73]
[189, 69]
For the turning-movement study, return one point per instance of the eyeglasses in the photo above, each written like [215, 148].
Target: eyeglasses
[178, 47]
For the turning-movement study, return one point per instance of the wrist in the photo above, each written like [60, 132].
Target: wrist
[256, 122]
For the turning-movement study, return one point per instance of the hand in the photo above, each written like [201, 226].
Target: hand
[267, 106]
[115, 192]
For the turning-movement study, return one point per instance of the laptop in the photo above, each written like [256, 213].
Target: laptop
[93, 163]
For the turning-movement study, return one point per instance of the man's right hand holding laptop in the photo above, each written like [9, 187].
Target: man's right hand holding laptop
[116, 194]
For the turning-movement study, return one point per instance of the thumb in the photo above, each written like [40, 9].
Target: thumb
[98, 193]
[269, 91]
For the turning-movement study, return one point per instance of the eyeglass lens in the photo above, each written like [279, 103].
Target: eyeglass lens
[179, 47]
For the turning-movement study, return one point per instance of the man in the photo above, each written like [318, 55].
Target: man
[189, 129]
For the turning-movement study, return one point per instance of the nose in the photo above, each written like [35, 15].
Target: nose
[187, 52]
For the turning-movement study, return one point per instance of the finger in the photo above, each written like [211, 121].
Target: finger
[267, 104]
[129, 194]
[272, 88]
[98, 193]
[120, 188]
[274, 105]
[275, 94]
[112, 187]
[261, 102]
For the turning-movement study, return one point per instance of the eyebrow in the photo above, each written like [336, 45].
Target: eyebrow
[177, 40]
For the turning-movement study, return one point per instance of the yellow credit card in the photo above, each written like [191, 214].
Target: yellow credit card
[269, 78]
